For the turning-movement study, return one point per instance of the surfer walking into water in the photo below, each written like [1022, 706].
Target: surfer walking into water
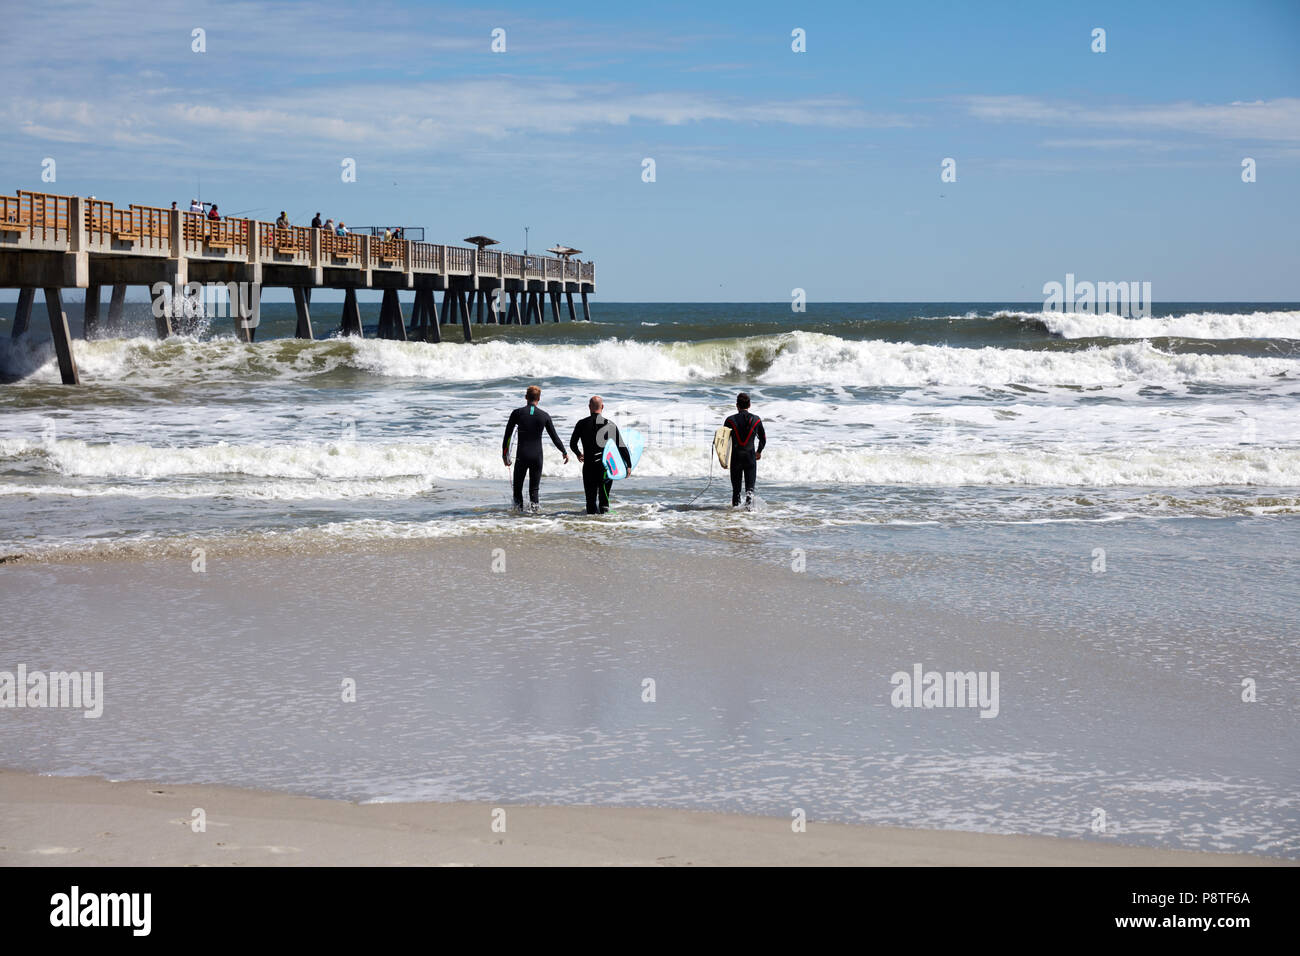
[531, 421]
[745, 428]
[588, 443]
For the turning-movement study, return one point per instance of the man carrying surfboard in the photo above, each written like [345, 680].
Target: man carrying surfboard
[744, 428]
[590, 436]
[531, 421]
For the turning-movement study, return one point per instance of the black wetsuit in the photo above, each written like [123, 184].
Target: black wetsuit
[592, 432]
[744, 456]
[530, 420]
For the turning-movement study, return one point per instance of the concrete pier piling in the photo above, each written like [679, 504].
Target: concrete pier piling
[351, 324]
[23, 312]
[463, 304]
[62, 338]
[433, 332]
[302, 304]
[116, 303]
[52, 242]
[90, 314]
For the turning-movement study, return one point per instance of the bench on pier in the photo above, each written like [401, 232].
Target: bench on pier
[390, 260]
[126, 237]
[217, 243]
[13, 226]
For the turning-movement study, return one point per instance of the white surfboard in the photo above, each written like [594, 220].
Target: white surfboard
[722, 446]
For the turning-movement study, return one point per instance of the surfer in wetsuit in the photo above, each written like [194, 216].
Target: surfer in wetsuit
[745, 427]
[530, 420]
[588, 443]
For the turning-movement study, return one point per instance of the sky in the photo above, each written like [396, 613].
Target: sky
[774, 170]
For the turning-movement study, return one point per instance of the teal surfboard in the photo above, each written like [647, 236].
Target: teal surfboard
[615, 467]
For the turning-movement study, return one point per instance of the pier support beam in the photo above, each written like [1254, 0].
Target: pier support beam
[537, 307]
[351, 324]
[432, 331]
[396, 321]
[512, 315]
[388, 315]
[446, 306]
[417, 316]
[90, 317]
[23, 314]
[464, 315]
[481, 295]
[115, 305]
[302, 303]
[248, 315]
[62, 340]
[381, 328]
[586, 309]
[573, 316]
[555, 306]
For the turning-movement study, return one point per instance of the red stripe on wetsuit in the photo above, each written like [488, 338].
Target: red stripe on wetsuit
[735, 432]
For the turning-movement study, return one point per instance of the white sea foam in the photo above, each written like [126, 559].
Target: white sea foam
[813, 358]
[310, 470]
[1193, 325]
[786, 359]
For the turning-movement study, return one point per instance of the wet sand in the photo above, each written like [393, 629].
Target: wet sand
[49, 821]
[525, 689]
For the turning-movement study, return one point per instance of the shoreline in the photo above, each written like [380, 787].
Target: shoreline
[90, 821]
[231, 676]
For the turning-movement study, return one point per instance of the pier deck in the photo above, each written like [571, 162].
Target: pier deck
[54, 242]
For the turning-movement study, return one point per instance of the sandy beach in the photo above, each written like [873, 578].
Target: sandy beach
[81, 821]
[226, 684]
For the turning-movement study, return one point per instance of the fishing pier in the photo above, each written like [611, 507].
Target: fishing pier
[53, 243]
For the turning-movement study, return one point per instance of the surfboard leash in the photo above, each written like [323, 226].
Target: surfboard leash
[710, 481]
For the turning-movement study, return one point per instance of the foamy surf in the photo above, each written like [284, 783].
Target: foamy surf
[310, 470]
[785, 359]
[1192, 325]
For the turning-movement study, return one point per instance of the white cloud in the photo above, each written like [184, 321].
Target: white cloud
[413, 116]
[1277, 119]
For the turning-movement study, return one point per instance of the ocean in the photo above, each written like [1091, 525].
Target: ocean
[1126, 491]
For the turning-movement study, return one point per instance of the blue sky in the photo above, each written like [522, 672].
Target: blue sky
[774, 169]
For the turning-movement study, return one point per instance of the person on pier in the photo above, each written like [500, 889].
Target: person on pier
[531, 422]
[588, 443]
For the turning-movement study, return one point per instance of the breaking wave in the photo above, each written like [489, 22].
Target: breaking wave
[310, 470]
[786, 358]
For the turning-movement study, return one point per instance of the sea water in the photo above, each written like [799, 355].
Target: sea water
[1128, 487]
